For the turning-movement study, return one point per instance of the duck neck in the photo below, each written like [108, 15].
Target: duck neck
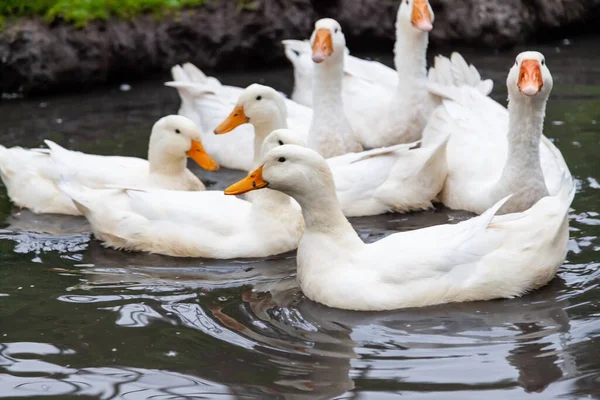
[262, 129]
[327, 83]
[526, 121]
[410, 55]
[322, 213]
[328, 124]
[165, 163]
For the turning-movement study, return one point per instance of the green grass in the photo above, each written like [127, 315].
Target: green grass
[80, 12]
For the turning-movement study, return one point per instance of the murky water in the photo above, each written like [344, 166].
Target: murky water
[78, 319]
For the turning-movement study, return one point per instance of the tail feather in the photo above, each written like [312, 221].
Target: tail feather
[75, 191]
[455, 71]
[301, 46]
[384, 150]
[194, 73]
[179, 74]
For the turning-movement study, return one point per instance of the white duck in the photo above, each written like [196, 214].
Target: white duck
[207, 102]
[185, 224]
[392, 179]
[507, 152]
[484, 258]
[31, 176]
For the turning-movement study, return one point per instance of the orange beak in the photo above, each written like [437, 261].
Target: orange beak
[530, 77]
[421, 17]
[198, 154]
[323, 45]
[235, 119]
[253, 181]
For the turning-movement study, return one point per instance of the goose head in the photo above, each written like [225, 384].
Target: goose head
[257, 104]
[416, 14]
[175, 135]
[297, 171]
[327, 41]
[529, 77]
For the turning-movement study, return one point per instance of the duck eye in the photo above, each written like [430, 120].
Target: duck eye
[281, 143]
[258, 98]
[543, 62]
[336, 30]
[406, 2]
[296, 52]
[281, 159]
[177, 131]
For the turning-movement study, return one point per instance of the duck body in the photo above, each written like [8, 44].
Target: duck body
[484, 258]
[190, 224]
[207, 102]
[31, 176]
[508, 154]
[39, 194]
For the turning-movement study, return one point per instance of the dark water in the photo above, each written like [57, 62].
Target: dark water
[78, 319]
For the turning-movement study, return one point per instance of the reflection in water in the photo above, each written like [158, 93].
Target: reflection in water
[102, 383]
[77, 318]
[314, 348]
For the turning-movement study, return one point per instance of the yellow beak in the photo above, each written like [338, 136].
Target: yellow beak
[235, 119]
[421, 17]
[253, 181]
[198, 154]
[323, 45]
[530, 77]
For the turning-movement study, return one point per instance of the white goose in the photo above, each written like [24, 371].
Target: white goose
[507, 152]
[484, 258]
[31, 176]
[384, 115]
[192, 224]
[207, 102]
[330, 133]
[392, 179]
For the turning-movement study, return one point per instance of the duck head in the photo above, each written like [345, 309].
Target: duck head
[176, 135]
[294, 170]
[417, 14]
[280, 137]
[529, 77]
[258, 104]
[327, 41]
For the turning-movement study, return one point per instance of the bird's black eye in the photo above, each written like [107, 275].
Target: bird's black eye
[516, 62]
[177, 131]
[296, 52]
[258, 98]
[281, 143]
[406, 2]
[543, 62]
[336, 30]
[281, 159]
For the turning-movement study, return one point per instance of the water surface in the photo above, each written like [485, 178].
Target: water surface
[79, 319]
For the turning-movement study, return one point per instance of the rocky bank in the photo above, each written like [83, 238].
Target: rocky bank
[36, 57]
